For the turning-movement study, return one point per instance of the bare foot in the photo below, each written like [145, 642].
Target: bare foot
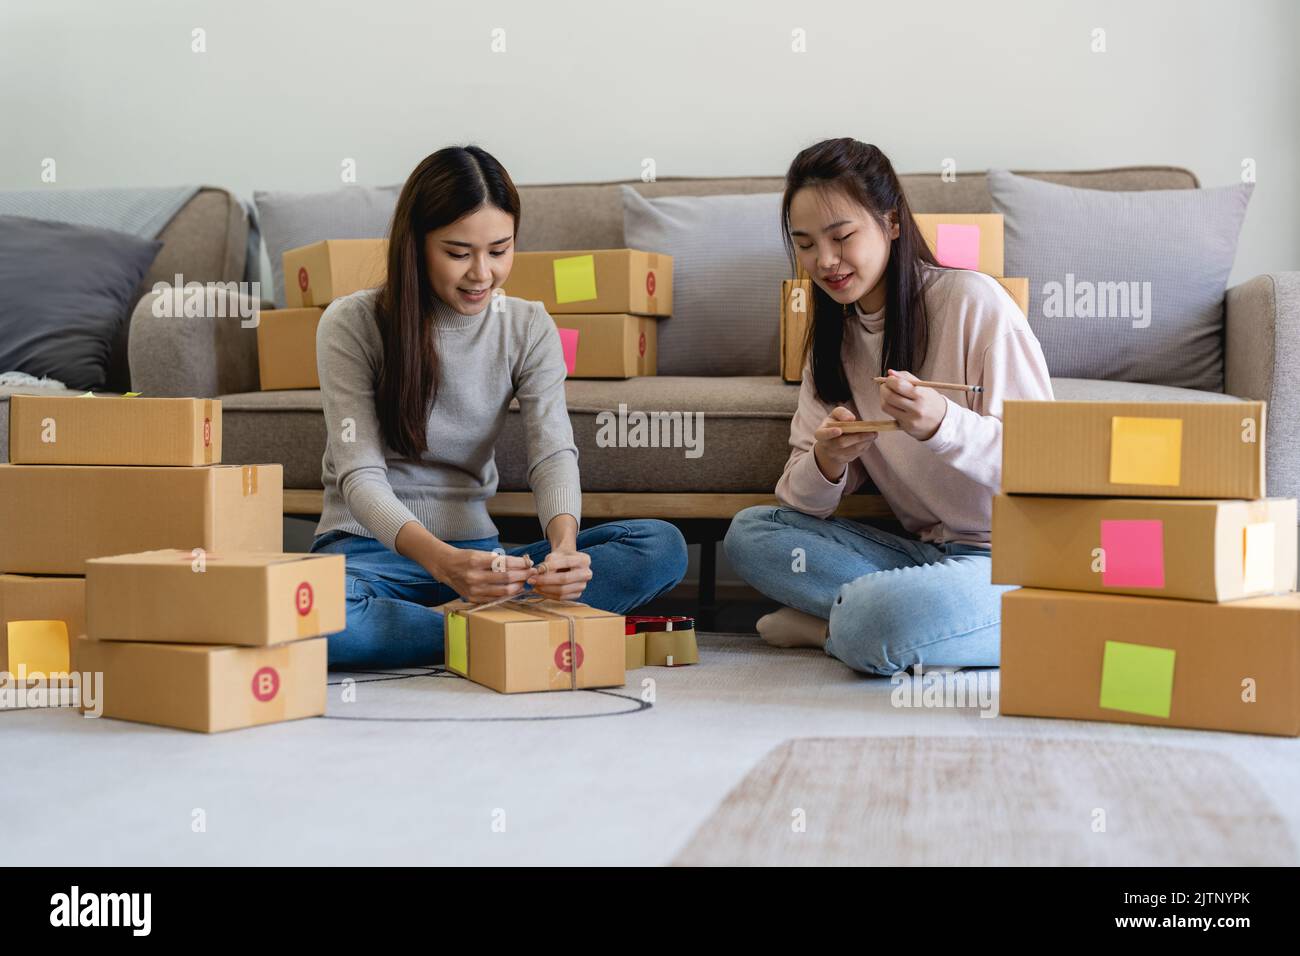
[791, 628]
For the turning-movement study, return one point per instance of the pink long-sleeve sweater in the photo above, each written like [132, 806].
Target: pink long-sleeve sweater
[940, 489]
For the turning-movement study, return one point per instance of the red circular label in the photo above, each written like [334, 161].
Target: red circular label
[649, 283]
[207, 432]
[562, 656]
[640, 345]
[266, 683]
[302, 278]
[302, 598]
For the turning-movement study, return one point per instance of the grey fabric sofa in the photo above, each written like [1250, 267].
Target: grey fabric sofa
[746, 419]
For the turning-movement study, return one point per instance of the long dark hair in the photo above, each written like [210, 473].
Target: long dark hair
[864, 174]
[446, 186]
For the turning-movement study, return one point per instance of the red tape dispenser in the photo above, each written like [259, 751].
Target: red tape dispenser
[660, 641]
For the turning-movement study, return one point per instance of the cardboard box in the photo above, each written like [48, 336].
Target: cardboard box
[247, 598]
[318, 274]
[1018, 289]
[1192, 548]
[1154, 661]
[610, 281]
[56, 518]
[964, 240]
[1134, 449]
[286, 348]
[208, 688]
[609, 346]
[796, 316]
[39, 619]
[523, 645]
[113, 430]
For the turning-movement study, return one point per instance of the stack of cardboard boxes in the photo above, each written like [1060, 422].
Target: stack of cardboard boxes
[314, 276]
[961, 241]
[605, 302]
[1157, 583]
[211, 641]
[93, 476]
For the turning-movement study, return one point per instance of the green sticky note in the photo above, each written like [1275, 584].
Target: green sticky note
[1146, 451]
[1137, 678]
[39, 646]
[575, 278]
[457, 642]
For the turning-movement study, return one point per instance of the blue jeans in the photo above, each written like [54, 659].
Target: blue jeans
[892, 602]
[389, 623]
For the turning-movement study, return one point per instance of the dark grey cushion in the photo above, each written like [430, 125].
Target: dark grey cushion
[1124, 285]
[65, 293]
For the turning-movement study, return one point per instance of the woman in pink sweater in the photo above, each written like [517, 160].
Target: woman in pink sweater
[882, 602]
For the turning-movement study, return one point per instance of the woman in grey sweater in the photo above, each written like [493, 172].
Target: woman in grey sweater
[416, 379]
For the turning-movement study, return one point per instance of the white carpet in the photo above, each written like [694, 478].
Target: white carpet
[467, 776]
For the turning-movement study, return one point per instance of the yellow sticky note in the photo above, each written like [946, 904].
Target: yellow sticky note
[575, 278]
[130, 394]
[39, 646]
[1146, 451]
[457, 644]
[1257, 557]
[1137, 678]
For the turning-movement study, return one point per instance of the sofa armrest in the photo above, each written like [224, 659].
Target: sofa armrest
[1262, 351]
[172, 354]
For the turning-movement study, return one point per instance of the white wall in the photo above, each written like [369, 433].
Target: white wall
[585, 90]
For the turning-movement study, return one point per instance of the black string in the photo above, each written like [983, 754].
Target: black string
[642, 705]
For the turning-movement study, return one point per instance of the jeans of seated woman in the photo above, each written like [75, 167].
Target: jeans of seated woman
[891, 602]
[389, 596]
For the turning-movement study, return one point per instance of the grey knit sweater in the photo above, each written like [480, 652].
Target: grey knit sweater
[484, 361]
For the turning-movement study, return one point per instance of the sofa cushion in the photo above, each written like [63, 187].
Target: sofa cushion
[1124, 286]
[590, 215]
[728, 263]
[743, 443]
[66, 293]
[744, 447]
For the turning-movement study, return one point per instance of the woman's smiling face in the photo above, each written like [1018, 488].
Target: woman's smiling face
[471, 257]
[840, 244]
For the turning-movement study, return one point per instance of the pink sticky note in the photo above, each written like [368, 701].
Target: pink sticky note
[569, 342]
[958, 246]
[1135, 554]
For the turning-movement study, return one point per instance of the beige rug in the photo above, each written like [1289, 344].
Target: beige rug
[963, 801]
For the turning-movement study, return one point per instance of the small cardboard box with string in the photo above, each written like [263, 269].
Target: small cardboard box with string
[531, 643]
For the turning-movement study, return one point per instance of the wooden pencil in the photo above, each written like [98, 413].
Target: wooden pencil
[949, 385]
